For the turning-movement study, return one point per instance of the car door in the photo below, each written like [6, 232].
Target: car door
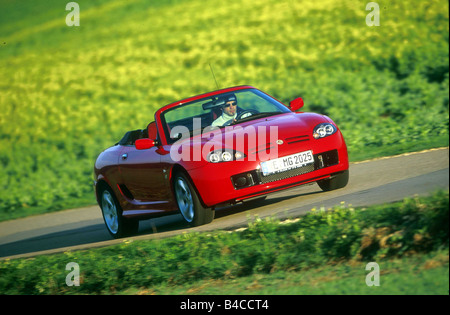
[144, 180]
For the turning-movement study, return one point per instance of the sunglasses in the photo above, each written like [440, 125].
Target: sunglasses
[228, 104]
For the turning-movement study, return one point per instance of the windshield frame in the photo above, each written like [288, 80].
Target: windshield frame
[201, 101]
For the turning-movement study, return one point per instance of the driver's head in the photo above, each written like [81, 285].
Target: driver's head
[230, 105]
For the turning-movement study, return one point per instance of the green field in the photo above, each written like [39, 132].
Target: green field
[67, 93]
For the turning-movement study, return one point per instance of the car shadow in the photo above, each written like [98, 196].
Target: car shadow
[64, 238]
[74, 235]
[255, 204]
[176, 221]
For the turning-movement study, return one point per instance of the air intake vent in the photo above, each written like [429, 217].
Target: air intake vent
[297, 139]
[126, 192]
[262, 147]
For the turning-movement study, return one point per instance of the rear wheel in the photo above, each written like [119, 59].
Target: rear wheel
[335, 182]
[116, 224]
[191, 208]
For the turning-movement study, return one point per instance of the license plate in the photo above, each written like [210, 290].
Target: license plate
[287, 163]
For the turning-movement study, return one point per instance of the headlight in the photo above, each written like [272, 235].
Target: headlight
[324, 130]
[224, 155]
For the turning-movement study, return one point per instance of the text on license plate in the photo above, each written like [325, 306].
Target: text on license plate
[287, 162]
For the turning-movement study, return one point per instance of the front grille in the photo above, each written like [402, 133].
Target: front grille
[286, 174]
[255, 177]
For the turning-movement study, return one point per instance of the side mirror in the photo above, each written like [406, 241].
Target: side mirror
[296, 104]
[144, 144]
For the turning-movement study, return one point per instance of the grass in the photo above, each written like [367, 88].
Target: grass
[67, 93]
[419, 274]
[342, 239]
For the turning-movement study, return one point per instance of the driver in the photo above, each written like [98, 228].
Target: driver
[229, 111]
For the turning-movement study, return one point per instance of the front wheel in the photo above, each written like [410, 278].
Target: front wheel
[189, 202]
[335, 182]
[116, 224]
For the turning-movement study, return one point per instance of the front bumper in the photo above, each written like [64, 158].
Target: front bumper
[231, 182]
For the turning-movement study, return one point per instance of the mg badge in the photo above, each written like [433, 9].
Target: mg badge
[280, 142]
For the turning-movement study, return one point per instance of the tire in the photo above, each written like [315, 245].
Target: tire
[116, 224]
[188, 201]
[335, 182]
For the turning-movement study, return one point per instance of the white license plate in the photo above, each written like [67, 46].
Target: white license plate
[286, 163]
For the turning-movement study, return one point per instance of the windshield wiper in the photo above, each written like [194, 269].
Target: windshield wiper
[256, 116]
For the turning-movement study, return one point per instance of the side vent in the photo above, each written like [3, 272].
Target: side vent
[126, 192]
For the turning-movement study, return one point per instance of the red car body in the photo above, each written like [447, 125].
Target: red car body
[139, 175]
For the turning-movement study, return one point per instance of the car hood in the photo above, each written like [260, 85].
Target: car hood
[259, 134]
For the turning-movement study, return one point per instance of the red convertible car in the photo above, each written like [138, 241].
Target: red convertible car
[216, 149]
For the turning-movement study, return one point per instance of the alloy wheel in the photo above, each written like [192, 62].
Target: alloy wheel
[184, 199]
[110, 212]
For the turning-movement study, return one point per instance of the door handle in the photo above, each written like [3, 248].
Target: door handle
[124, 156]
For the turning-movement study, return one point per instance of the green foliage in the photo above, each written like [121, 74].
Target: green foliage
[67, 93]
[266, 246]
[419, 274]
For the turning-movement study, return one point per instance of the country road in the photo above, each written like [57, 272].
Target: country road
[371, 182]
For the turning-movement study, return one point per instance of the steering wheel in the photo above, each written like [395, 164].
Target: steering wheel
[246, 113]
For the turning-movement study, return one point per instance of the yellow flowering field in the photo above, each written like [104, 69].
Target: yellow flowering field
[68, 92]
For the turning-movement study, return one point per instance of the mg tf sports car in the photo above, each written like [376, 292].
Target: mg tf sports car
[212, 150]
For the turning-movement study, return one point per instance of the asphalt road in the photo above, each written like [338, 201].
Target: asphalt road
[371, 182]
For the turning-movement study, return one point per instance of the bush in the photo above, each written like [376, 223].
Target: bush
[323, 237]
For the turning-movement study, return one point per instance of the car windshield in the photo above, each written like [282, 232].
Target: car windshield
[219, 110]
